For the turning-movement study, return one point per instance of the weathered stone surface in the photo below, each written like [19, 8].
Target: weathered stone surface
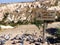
[25, 10]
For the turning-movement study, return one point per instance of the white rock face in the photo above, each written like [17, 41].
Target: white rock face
[15, 10]
[5, 27]
[19, 7]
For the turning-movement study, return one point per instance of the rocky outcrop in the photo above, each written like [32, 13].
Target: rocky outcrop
[17, 11]
[24, 10]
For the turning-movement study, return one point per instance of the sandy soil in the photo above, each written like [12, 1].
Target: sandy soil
[20, 30]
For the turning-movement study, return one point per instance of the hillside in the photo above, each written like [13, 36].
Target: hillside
[14, 12]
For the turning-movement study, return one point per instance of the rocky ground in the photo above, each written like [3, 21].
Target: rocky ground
[28, 29]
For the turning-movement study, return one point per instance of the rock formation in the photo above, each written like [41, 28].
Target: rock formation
[25, 10]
